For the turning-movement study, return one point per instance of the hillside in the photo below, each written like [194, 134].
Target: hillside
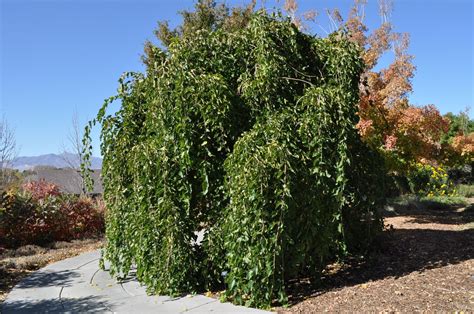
[52, 160]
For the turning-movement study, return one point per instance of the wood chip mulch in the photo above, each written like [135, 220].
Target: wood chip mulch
[424, 263]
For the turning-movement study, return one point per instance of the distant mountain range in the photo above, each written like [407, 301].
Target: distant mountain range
[64, 160]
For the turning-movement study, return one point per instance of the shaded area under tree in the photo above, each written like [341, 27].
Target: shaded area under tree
[415, 241]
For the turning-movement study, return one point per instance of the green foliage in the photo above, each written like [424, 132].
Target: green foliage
[442, 202]
[465, 190]
[462, 174]
[250, 136]
[411, 201]
[209, 16]
[10, 179]
[428, 180]
[459, 124]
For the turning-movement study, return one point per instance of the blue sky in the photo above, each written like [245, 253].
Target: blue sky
[61, 56]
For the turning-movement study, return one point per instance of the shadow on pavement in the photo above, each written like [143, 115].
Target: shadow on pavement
[79, 305]
[49, 279]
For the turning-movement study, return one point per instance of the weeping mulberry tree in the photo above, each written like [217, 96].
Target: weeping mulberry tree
[248, 135]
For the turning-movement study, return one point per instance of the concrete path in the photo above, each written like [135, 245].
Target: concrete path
[78, 285]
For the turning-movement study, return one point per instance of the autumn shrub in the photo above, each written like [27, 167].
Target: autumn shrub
[81, 217]
[39, 213]
[250, 136]
[41, 190]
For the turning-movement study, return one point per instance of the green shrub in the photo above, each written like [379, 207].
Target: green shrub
[428, 180]
[250, 136]
[462, 174]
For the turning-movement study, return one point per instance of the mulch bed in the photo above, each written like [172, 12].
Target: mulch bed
[17, 263]
[424, 263]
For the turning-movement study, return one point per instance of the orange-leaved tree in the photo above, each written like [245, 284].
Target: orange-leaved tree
[404, 133]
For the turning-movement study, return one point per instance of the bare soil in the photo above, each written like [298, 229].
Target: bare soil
[17, 263]
[424, 263]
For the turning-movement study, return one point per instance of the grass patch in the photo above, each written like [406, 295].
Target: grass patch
[411, 201]
[445, 200]
[465, 190]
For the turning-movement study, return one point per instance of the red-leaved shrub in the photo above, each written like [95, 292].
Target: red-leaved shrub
[82, 217]
[40, 213]
[41, 189]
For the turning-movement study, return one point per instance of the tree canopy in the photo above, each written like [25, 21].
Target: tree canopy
[247, 134]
